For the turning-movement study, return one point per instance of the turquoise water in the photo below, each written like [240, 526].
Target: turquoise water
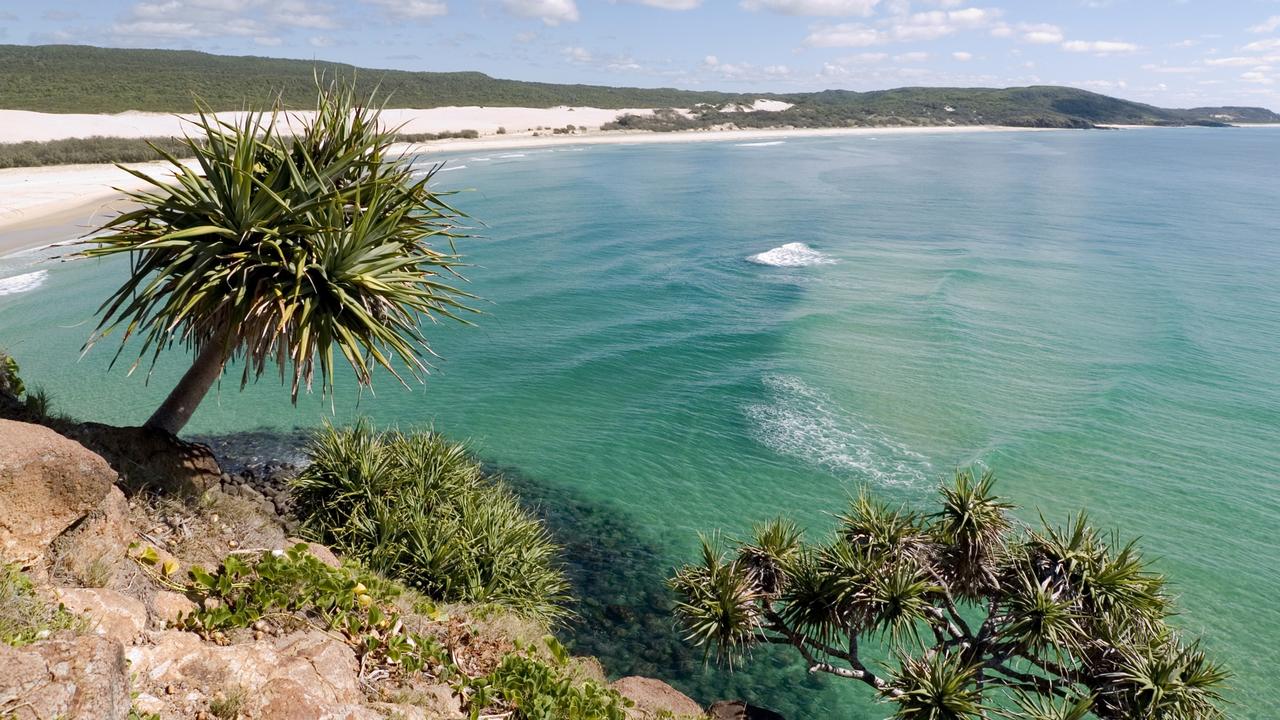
[1094, 315]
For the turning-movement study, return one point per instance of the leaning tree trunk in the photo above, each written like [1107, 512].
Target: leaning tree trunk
[182, 402]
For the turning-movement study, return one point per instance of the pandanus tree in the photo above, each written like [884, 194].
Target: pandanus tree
[967, 613]
[288, 240]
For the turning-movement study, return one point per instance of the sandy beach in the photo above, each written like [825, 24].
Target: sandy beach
[55, 203]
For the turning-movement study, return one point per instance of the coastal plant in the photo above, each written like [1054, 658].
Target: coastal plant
[525, 687]
[282, 248]
[417, 507]
[977, 614]
[25, 617]
[293, 588]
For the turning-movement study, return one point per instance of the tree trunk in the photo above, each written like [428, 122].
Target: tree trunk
[182, 402]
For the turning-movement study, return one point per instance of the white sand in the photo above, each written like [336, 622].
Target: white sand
[22, 125]
[78, 194]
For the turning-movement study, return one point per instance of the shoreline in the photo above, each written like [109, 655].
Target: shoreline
[49, 204]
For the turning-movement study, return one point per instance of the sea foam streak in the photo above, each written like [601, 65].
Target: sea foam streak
[795, 254]
[804, 423]
[22, 283]
[761, 144]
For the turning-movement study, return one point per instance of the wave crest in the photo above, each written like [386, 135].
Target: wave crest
[22, 283]
[804, 423]
[796, 254]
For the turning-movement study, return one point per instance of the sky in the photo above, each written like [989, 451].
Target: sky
[1174, 53]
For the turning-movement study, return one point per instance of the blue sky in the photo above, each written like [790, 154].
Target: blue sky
[1168, 52]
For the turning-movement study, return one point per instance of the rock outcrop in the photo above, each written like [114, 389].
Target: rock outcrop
[302, 675]
[76, 677]
[47, 483]
[652, 698]
[149, 459]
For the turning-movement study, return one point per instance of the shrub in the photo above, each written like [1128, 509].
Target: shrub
[534, 690]
[418, 508]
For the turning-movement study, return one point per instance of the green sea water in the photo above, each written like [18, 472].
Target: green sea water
[1093, 315]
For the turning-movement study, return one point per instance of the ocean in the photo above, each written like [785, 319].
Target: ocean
[693, 337]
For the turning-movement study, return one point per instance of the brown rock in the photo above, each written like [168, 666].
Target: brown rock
[94, 548]
[739, 710]
[111, 614]
[151, 459]
[76, 677]
[303, 675]
[168, 607]
[653, 697]
[47, 482]
[322, 553]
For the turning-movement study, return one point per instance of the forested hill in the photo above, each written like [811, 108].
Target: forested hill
[75, 78]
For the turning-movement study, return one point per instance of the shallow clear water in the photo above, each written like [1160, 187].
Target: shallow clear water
[1094, 315]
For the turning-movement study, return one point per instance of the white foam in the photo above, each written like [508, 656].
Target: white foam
[804, 423]
[479, 159]
[795, 254]
[512, 155]
[455, 167]
[23, 283]
[762, 144]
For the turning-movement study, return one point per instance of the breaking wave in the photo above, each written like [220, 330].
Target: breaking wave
[804, 423]
[795, 254]
[22, 283]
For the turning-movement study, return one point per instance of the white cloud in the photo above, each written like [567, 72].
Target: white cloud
[1262, 45]
[825, 8]
[151, 28]
[962, 56]
[411, 9]
[1099, 47]
[1041, 33]
[1271, 24]
[269, 41]
[1237, 61]
[1172, 69]
[911, 57]
[916, 27]
[845, 35]
[578, 54]
[1260, 76]
[551, 12]
[669, 4]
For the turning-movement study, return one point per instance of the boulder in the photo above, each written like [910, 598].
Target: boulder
[73, 677]
[47, 483]
[322, 553]
[147, 458]
[653, 697]
[168, 607]
[302, 675]
[739, 710]
[111, 614]
[93, 549]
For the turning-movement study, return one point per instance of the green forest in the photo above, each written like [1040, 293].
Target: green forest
[75, 78]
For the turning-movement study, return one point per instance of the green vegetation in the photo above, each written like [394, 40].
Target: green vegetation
[68, 78]
[297, 589]
[293, 589]
[418, 508]
[538, 691]
[281, 251]
[94, 150]
[980, 615]
[83, 79]
[90, 150]
[25, 617]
